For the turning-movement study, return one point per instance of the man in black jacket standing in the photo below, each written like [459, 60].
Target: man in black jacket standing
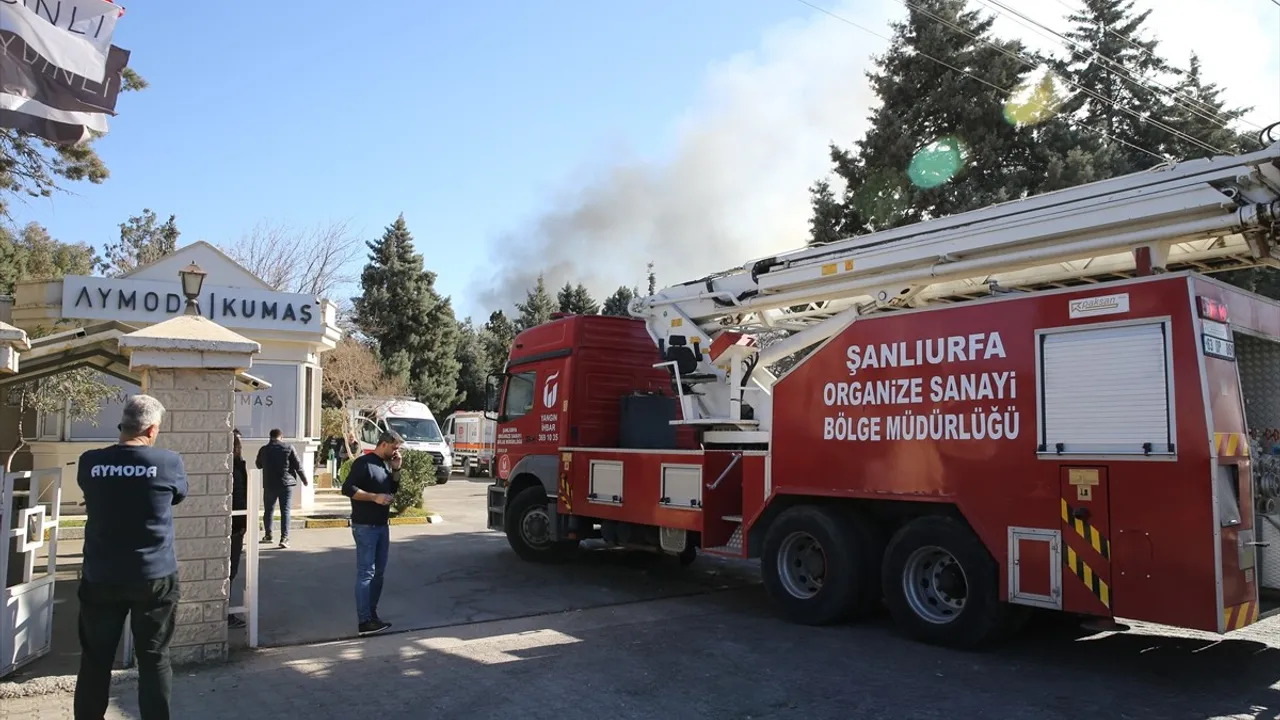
[372, 482]
[130, 567]
[281, 471]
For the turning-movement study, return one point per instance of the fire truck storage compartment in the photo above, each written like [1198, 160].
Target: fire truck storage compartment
[1105, 390]
[605, 482]
[682, 486]
[646, 422]
[1258, 362]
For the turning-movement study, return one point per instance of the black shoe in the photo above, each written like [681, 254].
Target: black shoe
[234, 622]
[373, 626]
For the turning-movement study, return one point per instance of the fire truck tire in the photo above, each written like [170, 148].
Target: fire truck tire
[527, 520]
[818, 566]
[942, 586]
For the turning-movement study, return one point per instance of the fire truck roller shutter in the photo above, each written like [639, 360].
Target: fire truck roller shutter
[820, 564]
[942, 586]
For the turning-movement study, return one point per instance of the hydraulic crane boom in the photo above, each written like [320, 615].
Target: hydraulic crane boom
[1211, 215]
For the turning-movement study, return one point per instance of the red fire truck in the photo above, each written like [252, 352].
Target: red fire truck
[1043, 404]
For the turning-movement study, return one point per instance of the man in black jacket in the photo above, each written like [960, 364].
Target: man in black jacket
[281, 471]
[130, 567]
[371, 483]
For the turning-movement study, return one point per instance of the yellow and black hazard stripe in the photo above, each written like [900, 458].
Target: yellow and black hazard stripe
[1077, 565]
[566, 488]
[1231, 444]
[1089, 577]
[1240, 616]
[1087, 532]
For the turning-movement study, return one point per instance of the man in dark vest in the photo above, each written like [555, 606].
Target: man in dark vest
[281, 471]
[130, 567]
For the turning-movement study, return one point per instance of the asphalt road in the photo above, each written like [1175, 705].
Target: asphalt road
[702, 645]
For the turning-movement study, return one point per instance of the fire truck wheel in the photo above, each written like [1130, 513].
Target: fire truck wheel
[942, 586]
[817, 566]
[687, 556]
[529, 529]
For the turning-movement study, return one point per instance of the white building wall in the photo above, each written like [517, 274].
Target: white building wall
[289, 361]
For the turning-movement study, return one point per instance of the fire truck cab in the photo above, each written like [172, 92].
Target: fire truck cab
[1108, 448]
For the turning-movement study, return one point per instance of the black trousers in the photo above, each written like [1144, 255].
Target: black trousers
[150, 605]
[239, 526]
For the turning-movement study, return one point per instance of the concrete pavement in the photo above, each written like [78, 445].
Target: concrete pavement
[458, 572]
[618, 635]
[721, 656]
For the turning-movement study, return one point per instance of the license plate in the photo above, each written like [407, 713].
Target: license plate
[1219, 348]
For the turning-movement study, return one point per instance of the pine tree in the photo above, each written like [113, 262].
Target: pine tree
[827, 222]
[940, 141]
[1200, 111]
[498, 335]
[1111, 69]
[653, 279]
[536, 308]
[414, 327]
[143, 240]
[577, 300]
[474, 366]
[583, 303]
[618, 303]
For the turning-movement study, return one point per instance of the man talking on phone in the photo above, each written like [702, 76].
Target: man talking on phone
[372, 481]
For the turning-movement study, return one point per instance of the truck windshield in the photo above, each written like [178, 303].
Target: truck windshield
[416, 429]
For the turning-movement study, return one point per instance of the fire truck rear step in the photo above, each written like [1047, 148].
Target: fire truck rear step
[734, 546]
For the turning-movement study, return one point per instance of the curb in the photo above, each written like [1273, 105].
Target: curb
[430, 519]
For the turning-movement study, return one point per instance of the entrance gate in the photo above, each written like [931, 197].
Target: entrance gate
[29, 514]
[248, 609]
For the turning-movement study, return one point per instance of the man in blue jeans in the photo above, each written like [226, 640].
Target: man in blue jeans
[372, 481]
[281, 471]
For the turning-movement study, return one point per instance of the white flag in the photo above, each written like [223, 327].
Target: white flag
[74, 35]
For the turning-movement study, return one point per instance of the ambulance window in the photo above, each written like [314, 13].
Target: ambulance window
[369, 433]
[1105, 391]
[519, 400]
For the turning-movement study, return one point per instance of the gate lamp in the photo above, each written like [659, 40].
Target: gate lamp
[192, 280]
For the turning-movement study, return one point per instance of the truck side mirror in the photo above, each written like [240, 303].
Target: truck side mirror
[492, 387]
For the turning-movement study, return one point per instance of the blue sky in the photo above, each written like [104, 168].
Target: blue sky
[683, 132]
[463, 116]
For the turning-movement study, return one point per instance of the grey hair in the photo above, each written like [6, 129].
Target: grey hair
[140, 413]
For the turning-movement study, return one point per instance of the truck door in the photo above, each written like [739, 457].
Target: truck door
[530, 416]
[1086, 533]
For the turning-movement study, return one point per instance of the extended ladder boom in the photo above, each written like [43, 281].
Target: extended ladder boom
[1210, 214]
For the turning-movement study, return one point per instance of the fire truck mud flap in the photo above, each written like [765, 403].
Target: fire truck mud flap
[942, 586]
[497, 506]
[820, 565]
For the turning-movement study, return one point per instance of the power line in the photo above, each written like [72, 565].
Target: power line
[1124, 73]
[1006, 91]
[1155, 123]
[1137, 47]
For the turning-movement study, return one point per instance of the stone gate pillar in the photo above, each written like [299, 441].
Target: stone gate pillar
[189, 364]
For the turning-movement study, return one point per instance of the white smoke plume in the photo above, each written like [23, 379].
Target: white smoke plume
[735, 187]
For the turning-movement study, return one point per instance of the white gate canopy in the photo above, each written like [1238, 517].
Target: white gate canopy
[93, 346]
